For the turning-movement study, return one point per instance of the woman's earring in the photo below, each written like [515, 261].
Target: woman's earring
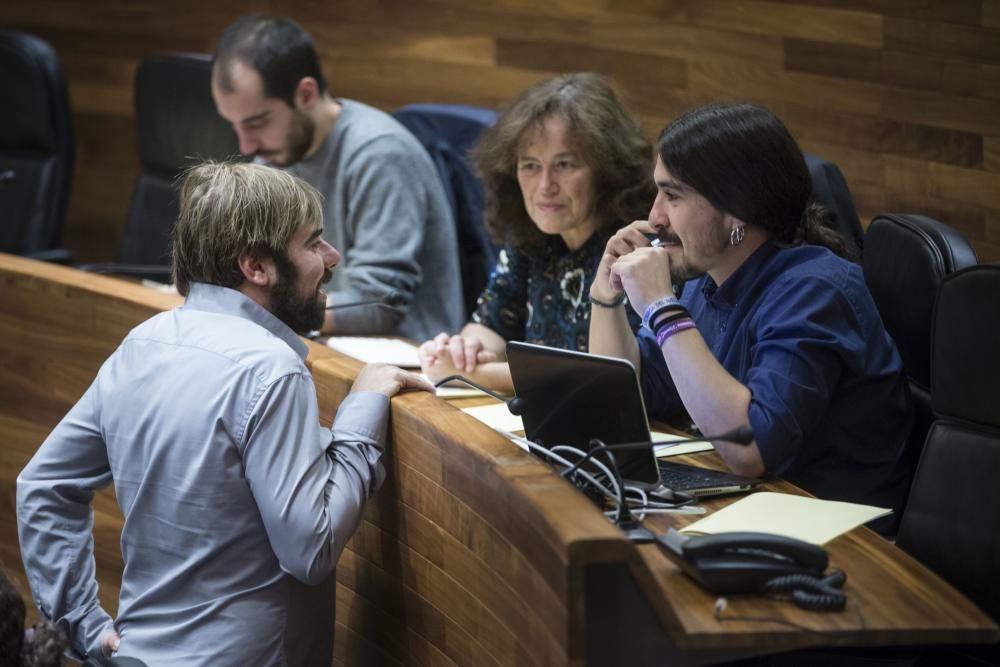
[736, 235]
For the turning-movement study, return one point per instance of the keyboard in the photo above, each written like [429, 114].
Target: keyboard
[702, 481]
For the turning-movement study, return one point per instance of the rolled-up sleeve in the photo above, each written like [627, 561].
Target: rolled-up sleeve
[311, 491]
[796, 364]
[55, 523]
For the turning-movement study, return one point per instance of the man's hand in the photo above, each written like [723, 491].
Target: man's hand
[110, 642]
[388, 380]
[645, 276]
[455, 354]
[607, 285]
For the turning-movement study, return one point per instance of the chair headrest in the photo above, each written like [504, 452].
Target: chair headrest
[906, 258]
[34, 115]
[830, 189]
[458, 125]
[175, 114]
[965, 357]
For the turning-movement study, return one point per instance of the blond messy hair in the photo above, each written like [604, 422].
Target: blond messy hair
[232, 209]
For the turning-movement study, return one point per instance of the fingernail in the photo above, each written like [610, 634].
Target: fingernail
[116, 643]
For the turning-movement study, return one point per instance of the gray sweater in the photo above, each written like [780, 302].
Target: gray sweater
[386, 212]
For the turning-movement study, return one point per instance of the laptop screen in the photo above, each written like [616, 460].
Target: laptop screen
[570, 398]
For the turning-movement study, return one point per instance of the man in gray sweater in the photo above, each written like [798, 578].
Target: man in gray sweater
[384, 206]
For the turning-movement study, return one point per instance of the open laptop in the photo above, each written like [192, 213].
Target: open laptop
[570, 398]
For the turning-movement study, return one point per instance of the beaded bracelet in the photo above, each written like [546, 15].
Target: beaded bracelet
[605, 304]
[676, 327]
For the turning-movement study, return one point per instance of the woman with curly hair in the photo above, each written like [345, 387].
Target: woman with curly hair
[564, 167]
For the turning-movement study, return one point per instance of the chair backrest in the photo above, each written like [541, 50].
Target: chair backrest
[177, 126]
[830, 189]
[448, 132]
[952, 520]
[906, 258]
[36, 145]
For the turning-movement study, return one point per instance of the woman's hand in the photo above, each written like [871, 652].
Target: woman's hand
[446, 355]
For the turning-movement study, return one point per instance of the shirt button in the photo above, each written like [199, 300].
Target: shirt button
[723, 325]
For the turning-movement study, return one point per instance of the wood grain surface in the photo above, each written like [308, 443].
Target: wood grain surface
[473, 552]
[903, 95]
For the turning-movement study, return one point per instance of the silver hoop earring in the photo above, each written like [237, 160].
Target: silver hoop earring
[736, 235]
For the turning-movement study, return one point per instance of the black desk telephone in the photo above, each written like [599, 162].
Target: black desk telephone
[758, 563]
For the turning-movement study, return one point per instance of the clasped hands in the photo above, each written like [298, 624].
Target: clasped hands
[446, 355]
[630, 263]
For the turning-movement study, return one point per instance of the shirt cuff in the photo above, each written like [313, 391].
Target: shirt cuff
[363, 416]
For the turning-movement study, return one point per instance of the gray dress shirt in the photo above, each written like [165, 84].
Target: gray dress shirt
[237, 503]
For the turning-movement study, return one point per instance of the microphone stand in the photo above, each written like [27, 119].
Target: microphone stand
[624, 519]
[515, 405]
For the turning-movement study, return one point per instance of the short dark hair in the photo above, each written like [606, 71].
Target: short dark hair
[276, 47]
[600, 128]
[742, 159]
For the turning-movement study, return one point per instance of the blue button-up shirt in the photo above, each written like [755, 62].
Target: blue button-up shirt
[830, 408]
[237, 502]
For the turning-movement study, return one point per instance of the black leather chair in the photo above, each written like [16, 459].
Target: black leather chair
[830, 189]
[905, 260]
[177, 126]
[36, 148]
[952, 520]
[448, 132]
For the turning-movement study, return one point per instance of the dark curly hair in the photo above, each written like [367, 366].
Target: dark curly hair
[601, 130]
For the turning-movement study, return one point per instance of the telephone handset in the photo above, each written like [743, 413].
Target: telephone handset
[744, 562]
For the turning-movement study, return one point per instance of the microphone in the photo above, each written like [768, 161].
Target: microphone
[389, 299]
[634, 531]
[515, 405]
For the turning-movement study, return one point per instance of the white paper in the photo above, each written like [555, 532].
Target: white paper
[497, 417]
[668, 444]
[387, 350]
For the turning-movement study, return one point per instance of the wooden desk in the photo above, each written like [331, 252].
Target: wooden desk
[473, 552]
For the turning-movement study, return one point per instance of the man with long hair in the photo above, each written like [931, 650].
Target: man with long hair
[773, 330]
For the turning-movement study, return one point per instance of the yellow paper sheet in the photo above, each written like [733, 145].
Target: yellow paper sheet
[497, 417]
[808, 519]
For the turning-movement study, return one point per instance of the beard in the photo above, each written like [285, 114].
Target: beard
[302, 315]
[300, 138]
[701, 253]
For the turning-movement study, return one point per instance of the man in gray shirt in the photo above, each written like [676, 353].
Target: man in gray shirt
[384, 205]
[237, 503]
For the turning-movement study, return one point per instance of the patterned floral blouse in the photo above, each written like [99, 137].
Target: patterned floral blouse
[544, 297]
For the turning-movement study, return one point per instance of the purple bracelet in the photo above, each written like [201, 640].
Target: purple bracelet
[668, 331]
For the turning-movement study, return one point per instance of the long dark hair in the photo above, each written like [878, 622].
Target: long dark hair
[600, 129]
[743, 160]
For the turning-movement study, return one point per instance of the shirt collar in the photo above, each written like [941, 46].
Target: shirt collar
[742, 279]
[226, 301]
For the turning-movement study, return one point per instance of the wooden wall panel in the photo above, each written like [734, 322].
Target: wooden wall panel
[869, 81]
